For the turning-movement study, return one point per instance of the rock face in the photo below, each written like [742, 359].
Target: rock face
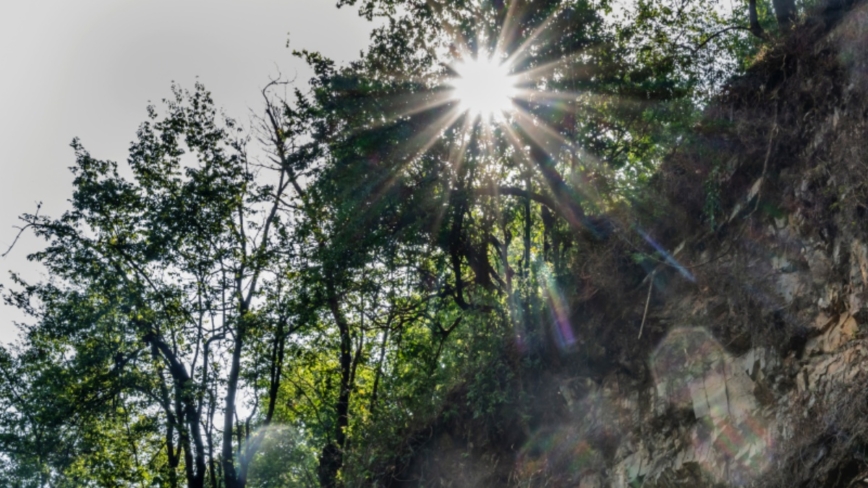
[773, 414]
[739, 427]
[745, 414]
[770, 415]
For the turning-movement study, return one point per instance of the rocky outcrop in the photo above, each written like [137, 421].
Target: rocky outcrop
[708, 417]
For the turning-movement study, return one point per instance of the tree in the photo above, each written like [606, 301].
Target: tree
[342, 277]
[159, 285]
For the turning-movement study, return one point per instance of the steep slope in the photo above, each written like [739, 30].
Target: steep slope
[752, 365]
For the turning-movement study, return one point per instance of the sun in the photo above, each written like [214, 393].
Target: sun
[483, 87]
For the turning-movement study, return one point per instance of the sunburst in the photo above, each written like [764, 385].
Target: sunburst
[497, 91]
[484, 86]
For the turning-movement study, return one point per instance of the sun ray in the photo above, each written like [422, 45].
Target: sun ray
[567, 211]
[529, 95]
[455, 160]
[415, 104]
[551, 143]
[522, 52]
[507, 32]
[427, 138]
[547, 69]
[423, 142]
[457, 153]
[546, 136]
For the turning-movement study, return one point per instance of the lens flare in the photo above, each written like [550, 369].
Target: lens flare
[730, 440]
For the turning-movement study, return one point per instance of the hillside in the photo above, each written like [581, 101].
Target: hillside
[740, 356]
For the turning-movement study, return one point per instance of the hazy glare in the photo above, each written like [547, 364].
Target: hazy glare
[88, 68]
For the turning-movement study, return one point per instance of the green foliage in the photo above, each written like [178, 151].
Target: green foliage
[152, 282]
[296, 320]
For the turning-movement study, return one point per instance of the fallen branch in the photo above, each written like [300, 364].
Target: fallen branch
[647, 302]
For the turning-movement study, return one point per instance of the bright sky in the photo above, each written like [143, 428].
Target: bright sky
[88, 68]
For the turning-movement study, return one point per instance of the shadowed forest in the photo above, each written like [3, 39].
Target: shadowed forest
[519, 243]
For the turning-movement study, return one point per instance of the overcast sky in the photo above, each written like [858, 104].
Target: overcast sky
[88, 68]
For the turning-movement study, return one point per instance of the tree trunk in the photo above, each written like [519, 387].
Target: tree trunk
[275, 369]
[172, 452]
[230, 476]
[373, 405]
[785, 12]
[186, 411]
[755, 27]
[331, 458]
[567, 200]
